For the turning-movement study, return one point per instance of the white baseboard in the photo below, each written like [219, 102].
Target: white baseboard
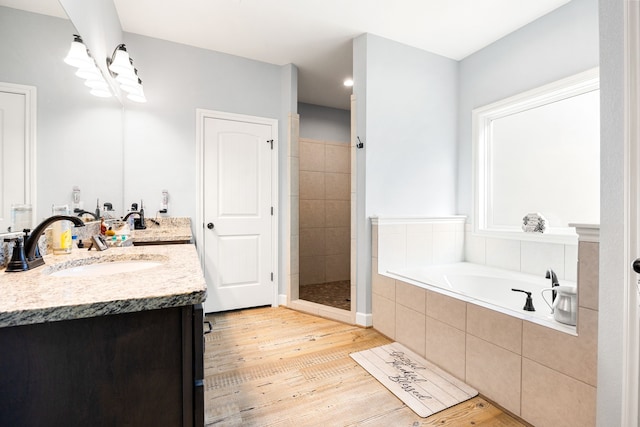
[282, 299]
[364, 319]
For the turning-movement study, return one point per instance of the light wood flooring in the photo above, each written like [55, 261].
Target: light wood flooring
[279, 367]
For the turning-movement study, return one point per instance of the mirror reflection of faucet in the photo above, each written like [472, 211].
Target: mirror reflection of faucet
[138, 223]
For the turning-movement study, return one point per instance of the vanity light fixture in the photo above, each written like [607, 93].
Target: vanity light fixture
[78, 55]
[80, 58]
[122, 70]
[348, 82]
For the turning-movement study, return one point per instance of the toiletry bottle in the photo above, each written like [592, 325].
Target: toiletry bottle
[103, 227]
[61, 234]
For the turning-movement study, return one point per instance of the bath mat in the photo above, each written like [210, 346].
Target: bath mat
[421, 385]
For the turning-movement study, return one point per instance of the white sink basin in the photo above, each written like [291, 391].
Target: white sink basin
[106, 268]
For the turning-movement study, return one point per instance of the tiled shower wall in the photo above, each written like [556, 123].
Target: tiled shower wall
[325, 211]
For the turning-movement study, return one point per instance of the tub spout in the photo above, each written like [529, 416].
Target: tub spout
[554, 282]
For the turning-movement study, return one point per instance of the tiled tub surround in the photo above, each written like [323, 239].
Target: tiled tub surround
[36, 297]
[545, 376]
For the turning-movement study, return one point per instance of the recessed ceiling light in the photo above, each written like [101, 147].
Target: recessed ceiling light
[348, 82]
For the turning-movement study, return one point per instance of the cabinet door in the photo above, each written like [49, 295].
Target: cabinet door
[198, 366]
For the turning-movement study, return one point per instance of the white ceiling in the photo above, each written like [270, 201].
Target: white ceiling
[316, 35]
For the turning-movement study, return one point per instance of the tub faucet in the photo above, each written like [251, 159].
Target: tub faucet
[554, 282]
[32, 255]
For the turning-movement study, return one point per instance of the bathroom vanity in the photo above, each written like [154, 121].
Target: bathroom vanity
[104, 346]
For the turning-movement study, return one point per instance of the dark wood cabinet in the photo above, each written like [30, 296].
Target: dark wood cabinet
[134, 369]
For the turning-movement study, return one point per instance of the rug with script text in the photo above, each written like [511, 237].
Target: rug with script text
[421, 385]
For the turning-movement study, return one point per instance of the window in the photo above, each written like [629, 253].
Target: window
[539, 151]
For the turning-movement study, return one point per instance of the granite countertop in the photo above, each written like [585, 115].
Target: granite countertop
[36, 297]
[168, 230]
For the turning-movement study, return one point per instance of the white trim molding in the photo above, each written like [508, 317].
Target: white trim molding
[30, 114]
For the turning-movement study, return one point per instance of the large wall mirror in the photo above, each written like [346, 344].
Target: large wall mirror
[539, 152]
[79, 139]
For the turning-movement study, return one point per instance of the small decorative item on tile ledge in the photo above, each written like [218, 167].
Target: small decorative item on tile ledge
[534, 223]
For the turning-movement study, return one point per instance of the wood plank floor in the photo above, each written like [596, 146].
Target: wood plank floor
[279, 367]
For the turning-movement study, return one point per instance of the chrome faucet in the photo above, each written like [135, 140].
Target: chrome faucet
[31, 253]
[554, 282]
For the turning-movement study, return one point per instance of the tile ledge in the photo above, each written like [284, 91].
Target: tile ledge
[587, 232]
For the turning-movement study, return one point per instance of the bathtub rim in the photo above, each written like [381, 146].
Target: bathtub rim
[538, 318]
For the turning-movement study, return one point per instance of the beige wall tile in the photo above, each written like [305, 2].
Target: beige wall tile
[551, 399]
[382, 285]
[495, 372]
[338, 158]
[411, 296]
[311, 270]
[312, 242]
[294, 187]
[312, 185]
[588, 271]
[338, 213]
[312, 213]
[445, 346]
[497, 328]
[571, 355]
[449, 310]
[312, 156]
[337, 267]
[410, 329]
[384, 315]
[295, 215]
[337, 186]
[338, 241]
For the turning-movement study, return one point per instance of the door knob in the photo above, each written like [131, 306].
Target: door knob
[210, 226]
[636, 265]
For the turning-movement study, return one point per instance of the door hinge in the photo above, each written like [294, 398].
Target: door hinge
[271, 210]
[270, 141]
[272, 277]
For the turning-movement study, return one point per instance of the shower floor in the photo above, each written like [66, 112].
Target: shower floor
[333, 294]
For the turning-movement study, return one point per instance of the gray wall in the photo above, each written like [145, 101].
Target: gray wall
[409, 133]
[557, 45]
[324, 123]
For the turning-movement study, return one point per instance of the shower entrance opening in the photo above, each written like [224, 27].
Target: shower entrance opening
[325, 222]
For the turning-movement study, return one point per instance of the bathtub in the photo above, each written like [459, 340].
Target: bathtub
[488, 287]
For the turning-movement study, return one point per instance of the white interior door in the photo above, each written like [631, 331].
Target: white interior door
[15, 146]
[237, 213]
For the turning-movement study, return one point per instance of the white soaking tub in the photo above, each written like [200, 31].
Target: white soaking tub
[488, 287]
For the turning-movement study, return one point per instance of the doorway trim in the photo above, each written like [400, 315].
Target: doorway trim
[30, 114]
[631, 326]
[293, 235]
[201, 115]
